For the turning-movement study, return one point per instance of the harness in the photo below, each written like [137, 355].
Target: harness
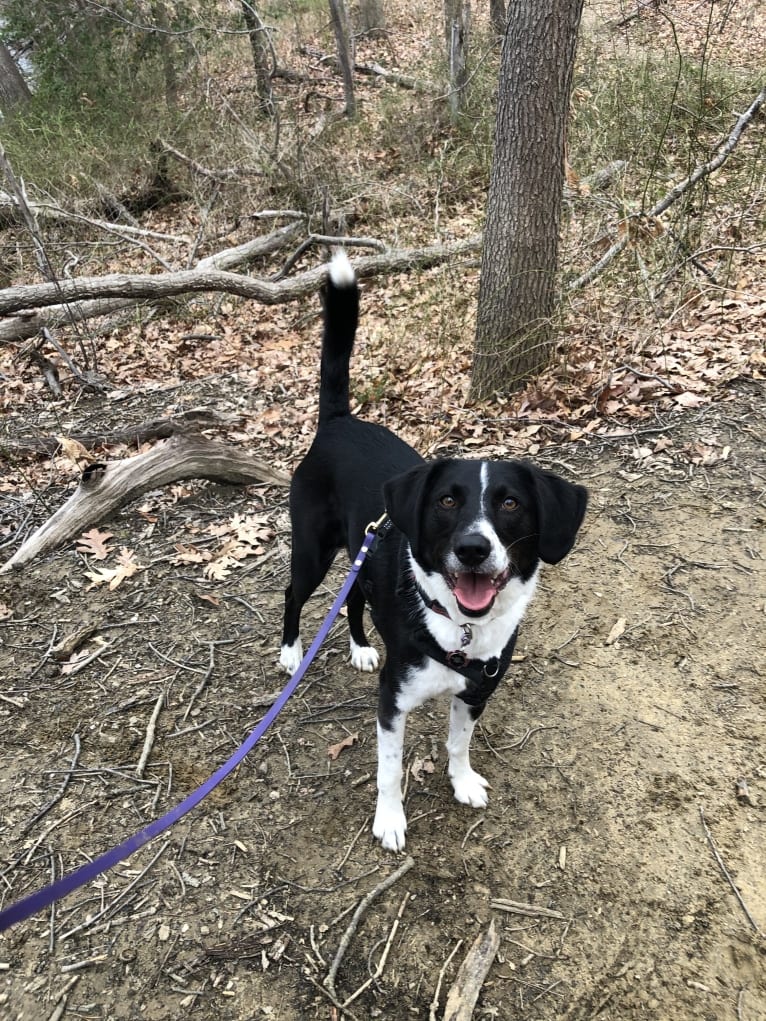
[483, 675]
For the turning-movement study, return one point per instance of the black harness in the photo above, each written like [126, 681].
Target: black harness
[483, 675]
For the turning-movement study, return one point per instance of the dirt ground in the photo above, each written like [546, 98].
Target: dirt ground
[619, 763]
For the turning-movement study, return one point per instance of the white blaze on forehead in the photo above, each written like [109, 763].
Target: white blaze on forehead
[484, 474]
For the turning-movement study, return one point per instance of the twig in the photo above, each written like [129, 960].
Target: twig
[383, 957]
[515, 907]
[724, 151]
[435, 1002]
[61, 999]
[118, 899]
[727, 876]
[150, 732]
[60, 793]
[364, 903]
[202, 684]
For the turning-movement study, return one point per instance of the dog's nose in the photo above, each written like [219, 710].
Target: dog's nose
[472, 549]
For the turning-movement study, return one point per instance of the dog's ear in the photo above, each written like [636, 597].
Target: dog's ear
[560, 512]
[403, 496]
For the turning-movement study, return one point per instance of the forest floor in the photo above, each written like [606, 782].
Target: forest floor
[625, 751]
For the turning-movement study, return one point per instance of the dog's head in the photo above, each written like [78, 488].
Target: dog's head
[475, 526]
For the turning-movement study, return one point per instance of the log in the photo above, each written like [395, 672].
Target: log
[106, 486]
[133, 435]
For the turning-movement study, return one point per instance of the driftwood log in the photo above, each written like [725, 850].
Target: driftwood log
[106, 486]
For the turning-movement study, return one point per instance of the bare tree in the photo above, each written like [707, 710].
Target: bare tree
[457, 26]
[372, 18]
[13, 88]
[517, 291]
[263, 56]
[345, 42]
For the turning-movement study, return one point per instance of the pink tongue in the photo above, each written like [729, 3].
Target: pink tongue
[474, 591]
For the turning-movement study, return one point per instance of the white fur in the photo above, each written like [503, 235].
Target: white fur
[491, 632]
[363, 657]
[290, 656]
[341, 271]
[390, 824]
[468, 785]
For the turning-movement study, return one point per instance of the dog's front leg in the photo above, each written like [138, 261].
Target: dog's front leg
[468, 785]
[390, 824]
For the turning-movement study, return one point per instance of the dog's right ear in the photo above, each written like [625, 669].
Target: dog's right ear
[403, 496]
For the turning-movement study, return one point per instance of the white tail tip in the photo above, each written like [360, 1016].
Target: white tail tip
[341, 271]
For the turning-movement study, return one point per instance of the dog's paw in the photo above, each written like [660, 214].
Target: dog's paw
[470, 788]
[364, 657]
[390, 825]
[290, 656]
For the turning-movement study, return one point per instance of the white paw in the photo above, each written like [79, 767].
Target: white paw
[363, 657]
[290, 656]
[470, 788]
[390, 824]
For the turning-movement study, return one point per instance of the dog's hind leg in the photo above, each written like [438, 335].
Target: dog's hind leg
[363, 656]
[468, 785]
[307, 572]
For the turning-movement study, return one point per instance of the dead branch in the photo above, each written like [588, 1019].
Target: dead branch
[725, 149]
[224, 174]
[726, 873]
[135, 435]
[364, 903]
[465, 990]
[137, 287]
[105, 487]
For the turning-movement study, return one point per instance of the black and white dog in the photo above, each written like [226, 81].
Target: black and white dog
[449, 580]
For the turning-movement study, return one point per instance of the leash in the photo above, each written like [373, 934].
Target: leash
[34, 902]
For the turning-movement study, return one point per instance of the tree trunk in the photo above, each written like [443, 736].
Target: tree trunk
[517, 291]
[372, 18]
[13, 88]
[497, 15]
[263, 56]
[345, 43]
[457, 25]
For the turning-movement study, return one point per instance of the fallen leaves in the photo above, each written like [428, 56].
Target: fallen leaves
[334, 750]
[94, 544]
[125, 567]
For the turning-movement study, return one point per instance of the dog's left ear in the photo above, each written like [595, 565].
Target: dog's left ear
[560, 512]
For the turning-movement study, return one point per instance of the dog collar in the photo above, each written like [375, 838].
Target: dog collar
[483, 675]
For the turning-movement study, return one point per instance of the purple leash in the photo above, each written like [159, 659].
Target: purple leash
[43, 898]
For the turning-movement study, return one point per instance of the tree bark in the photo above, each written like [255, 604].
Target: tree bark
[517, 291]
[457, 26]
[13, 87]
[263, 56]
[345, 43]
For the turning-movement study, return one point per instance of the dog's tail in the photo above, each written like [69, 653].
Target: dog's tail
[341, 315]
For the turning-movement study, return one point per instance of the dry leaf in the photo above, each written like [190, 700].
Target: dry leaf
[5, 611]
[74, 451]
[422, 766]
[334, 750]
[617, 631]
[93, 544]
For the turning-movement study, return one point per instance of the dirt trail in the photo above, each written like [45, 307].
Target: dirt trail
[607, 759]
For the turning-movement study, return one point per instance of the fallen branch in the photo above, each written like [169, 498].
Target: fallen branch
[205, 278]
[135, 435]
[105, 487]
[725, 150]
[364, 903]
[515, 907]
[465, 990]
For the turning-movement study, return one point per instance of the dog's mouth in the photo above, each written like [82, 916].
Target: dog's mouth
[475, 593]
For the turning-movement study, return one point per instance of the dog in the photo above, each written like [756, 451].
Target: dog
[450, 573]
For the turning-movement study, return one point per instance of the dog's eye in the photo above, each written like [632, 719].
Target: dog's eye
[509, 504]
[447, 502]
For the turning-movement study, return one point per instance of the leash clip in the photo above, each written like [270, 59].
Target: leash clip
[375, 525]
